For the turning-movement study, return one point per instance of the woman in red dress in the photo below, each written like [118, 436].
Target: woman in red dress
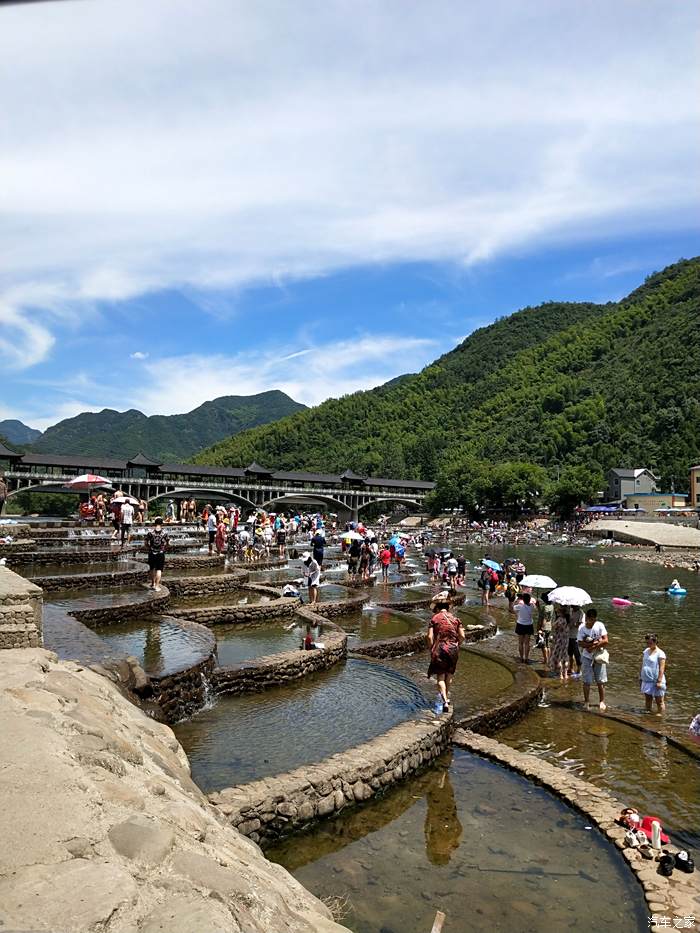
[445, 635]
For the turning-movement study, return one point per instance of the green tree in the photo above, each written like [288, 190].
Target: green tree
[576, 485]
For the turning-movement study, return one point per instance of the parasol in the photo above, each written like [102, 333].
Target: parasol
[570, 596]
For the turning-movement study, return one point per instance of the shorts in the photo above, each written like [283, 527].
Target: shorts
[156, 561]
[591, 672]
[281, 537]
[452, 574]
[212, 537]
[524, 629]
[352, 564]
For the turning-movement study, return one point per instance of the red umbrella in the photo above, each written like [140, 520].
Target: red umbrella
[87, 481]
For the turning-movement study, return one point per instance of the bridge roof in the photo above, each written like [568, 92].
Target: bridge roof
[6, 452]
[198, 469]
[142, 460]
[302, 477]
[82, 461]
[258, 470]
[408, 483]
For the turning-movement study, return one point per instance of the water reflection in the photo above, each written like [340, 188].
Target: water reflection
[442, 828]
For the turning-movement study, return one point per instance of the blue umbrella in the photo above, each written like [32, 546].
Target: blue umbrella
[492, 564]
[394, 539]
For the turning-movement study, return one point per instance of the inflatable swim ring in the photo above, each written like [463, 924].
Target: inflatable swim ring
[676, 591]
[619, 601]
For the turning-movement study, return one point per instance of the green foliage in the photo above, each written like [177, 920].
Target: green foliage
[559, 385]
[42, 503]
[577, 484]
[164, 437]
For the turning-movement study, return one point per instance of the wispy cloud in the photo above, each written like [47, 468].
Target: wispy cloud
[180, 383]
[271, 141]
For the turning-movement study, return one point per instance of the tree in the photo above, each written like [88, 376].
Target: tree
[575, 485]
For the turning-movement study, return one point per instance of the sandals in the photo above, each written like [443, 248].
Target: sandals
[666, 864]
[631, 840]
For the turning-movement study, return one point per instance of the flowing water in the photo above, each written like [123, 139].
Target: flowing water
[485, 846]
[248, 737]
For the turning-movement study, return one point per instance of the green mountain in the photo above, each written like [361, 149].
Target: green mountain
[18, 433]
[170, 438]
[559, 385]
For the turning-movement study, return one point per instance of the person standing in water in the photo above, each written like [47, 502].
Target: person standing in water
[313, 574]
[445, 635]
[524, 626]
[157, 544]
[652, 678]
[593, 639]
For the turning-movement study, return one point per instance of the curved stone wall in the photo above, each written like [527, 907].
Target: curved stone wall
[409, 644]
[77, 582]
[284, 667]
[677, 897]
[110, 615]
[181, 693]
[511, 705]
[191, 587]
[267, 809]
[281, 608]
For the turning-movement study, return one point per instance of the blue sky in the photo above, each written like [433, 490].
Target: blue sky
[221, 198]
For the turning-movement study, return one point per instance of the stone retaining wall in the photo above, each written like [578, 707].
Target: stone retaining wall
[282, 608]
[677, 897]
[339, 607]
[81, 555]
[110, 615]
[181, 693]
[78, 582]
[409, 644]
[511, 705]
[267, 809]
[20, 611]
[282, 668]
[19, 530]
[207, 585]
[18, 546]
[422, 602]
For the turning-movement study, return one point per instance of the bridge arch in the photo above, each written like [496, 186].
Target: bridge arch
[45, 487]
[393, 500]
[306, 498]
[199, 493]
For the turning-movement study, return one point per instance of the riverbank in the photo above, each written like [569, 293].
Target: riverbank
[104, 829]
[684, 559]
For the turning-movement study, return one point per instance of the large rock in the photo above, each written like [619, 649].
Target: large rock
[103, 829]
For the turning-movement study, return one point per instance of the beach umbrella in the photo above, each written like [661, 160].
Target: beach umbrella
[86, 482]
[492, 564]
[431, 552]
[394, 539]
[539, 581]
[570, 596]
[352, 536]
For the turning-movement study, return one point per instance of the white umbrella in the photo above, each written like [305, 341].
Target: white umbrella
[351, 536]
[539, 581]
[570, 596]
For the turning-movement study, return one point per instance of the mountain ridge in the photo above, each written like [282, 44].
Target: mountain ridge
[559, 384]
[110, 433]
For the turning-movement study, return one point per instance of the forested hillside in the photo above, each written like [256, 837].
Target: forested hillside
[111, 433]
[558, 386]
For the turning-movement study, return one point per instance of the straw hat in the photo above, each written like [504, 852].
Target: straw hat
[442, 597]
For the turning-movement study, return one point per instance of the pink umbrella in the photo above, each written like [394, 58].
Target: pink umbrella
[86, 482]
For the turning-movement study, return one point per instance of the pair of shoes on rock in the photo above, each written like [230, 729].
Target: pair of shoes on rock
[636, 839]
[684, 862]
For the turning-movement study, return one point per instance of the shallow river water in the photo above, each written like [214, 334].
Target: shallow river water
[488, 848]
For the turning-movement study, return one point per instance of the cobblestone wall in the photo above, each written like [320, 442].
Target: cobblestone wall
[282, 608]
[206, 585]
[20, 611]
[276, 806]
[77, 581]
[282, 668]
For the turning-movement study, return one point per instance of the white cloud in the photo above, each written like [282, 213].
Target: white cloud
[139, 355]
[309, 375]
[165, 144]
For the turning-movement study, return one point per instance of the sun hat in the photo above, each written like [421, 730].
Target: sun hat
[306, 556]
[442, 597]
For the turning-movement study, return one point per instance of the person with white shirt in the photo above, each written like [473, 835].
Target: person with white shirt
[593, 640]
[652, 678]
[524, 626]
[126, 520]
[312, 572]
